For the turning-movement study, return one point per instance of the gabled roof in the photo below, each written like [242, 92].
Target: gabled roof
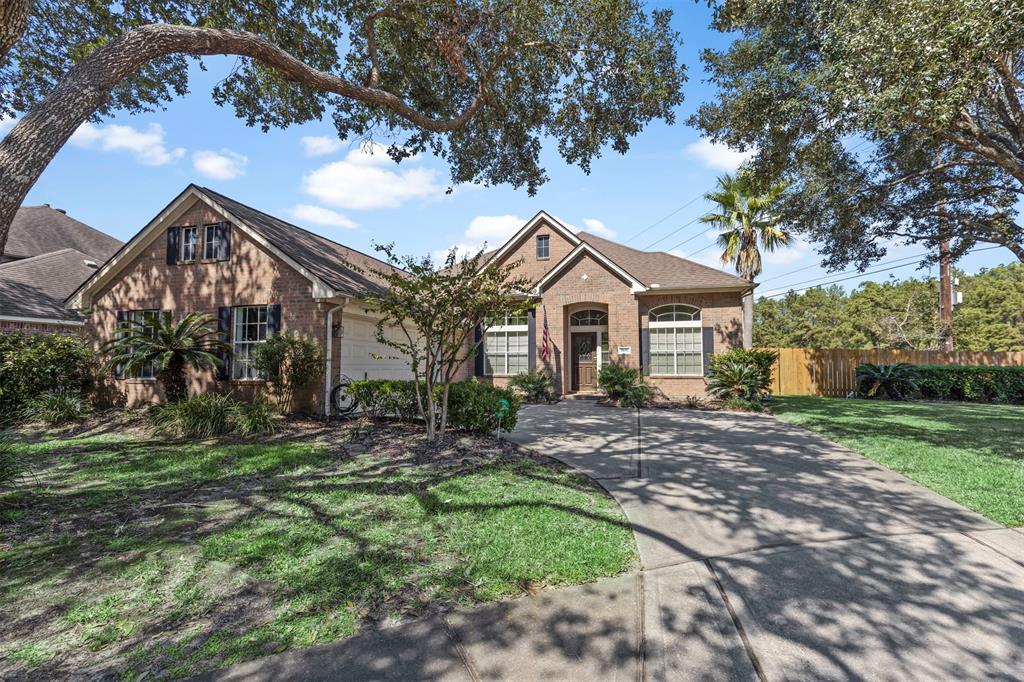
[660, 270]
[36, 287]
[331, 267]
[635, 285]
[36, 230]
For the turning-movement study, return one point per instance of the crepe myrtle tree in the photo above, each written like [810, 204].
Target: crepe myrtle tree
[437, 312]
[892, 120]
[476, 82]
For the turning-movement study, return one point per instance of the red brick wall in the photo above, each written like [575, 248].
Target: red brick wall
[13, 327]
[531, 266]
[252, 276]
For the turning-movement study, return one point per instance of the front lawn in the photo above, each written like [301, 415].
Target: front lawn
[973, 454]
[132, 557]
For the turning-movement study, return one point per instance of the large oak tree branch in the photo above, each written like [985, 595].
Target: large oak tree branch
[37, 137]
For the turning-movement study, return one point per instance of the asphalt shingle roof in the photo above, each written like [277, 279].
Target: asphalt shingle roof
[37, 286]
[40, 229]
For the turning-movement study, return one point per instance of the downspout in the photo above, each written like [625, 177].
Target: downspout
[748, 318]
[329, 349]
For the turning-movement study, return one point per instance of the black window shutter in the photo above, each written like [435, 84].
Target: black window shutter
[479, 360]
[224, 333]
[122, 321]
[273, 319]
[224, 241]
[645, 351]
[172, 245]
[708, 345]
[531, 338]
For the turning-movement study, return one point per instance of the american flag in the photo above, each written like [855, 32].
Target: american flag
[545, 351]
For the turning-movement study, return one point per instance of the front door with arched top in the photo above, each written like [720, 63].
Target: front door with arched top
[584, 361]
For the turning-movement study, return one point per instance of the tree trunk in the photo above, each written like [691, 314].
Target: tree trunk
[35, 140]
[13, 19]
[173, 379]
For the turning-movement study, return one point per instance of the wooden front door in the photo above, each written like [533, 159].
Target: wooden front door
[584, 361]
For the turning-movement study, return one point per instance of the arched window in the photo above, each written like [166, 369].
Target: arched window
[588, 318]
[677, 347]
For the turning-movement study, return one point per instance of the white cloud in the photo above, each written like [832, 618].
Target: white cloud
[364, 180]
[790, 254]
[318, 215]
[147, 146]
[595, 226]
[716, 156]
[494, 229]
[319, 145]
[461, 250]
[222, 165]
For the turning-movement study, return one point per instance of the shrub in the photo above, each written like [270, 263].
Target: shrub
[255, 418]
[472, 406]
[536, 387]
[31, 365]
[12, 464]
[897, 381]
[759, 377]
[971, 383]
[290, 363]
[739, 404]
[615, 380]
[734, 378]
[201, 416]
[54, 408]
[637, 395]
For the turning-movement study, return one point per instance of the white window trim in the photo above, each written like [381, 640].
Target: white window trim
[234, 340]
[207, 241]
[676, 324]
[195, 244]
[505, 329]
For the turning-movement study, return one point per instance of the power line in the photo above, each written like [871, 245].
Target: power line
[678, 229]
[661, 220]
[848, 272]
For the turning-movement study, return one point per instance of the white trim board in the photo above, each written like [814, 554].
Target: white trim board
[42, 320]
[541, 216]
[636, 286]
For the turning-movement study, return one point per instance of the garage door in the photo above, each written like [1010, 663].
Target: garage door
[363, 357]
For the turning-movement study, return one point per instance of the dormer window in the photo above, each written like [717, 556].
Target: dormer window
[543, 247]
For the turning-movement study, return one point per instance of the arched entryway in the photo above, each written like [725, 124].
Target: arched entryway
[588, 347]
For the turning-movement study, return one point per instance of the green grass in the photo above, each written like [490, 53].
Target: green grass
[128, 556]
[973, 454]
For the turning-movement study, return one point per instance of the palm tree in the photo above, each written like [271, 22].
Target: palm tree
[746, 216]
[170, 347]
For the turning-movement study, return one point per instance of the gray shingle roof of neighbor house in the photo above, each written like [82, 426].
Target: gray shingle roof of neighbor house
[41, 229]
[36, 287]
[661, 270]
[327, 259]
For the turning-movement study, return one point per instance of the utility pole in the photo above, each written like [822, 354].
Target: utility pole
[945, 294]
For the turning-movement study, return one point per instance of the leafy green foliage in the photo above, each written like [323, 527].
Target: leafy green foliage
[637, 395]
[739, 404]
[472, 406]
[12, 461]
[896, 381]
[900, 315]
[971, 383]
[615, 380]
[33, 365]
[734, 378]
[926, 84]
[747, 221]
[536, 387]
[290, 363]
[255, 418]
[171, 347]
[436, 312]
[201, 416]
[760, 360]
[586, 75]
[55, 408]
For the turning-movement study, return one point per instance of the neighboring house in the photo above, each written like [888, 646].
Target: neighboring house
[256, 275]
[607, 303]
[48, 255]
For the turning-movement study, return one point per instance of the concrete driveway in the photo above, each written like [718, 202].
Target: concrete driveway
[768, 553]
[825, 565]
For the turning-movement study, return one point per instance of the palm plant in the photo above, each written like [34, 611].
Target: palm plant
[897, 381]
[171, 347]
[731, 378]
[746, 217]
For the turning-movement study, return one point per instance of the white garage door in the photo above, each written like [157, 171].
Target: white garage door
[363, 357]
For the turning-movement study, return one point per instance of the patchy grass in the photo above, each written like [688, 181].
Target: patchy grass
[973, 454]
[126, 556]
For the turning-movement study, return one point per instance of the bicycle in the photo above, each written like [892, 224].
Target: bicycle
[342, 400]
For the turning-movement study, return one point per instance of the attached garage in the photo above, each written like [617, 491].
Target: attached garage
[362, 356]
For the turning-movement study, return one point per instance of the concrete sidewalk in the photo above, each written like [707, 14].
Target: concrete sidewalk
[768, 553]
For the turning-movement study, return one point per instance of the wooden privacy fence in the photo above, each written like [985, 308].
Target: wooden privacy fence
[830, 371]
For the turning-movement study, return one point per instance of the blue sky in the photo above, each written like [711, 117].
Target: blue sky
[118, 174]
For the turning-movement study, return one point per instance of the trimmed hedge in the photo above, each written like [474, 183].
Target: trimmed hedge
[472, 406]
[31, 365]
[971, 383]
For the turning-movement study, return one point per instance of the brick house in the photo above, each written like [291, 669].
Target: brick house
[258, 275]
[608, 303]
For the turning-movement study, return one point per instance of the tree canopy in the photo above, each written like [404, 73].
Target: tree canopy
[892, 119]
[479, 83]
[901, 315]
